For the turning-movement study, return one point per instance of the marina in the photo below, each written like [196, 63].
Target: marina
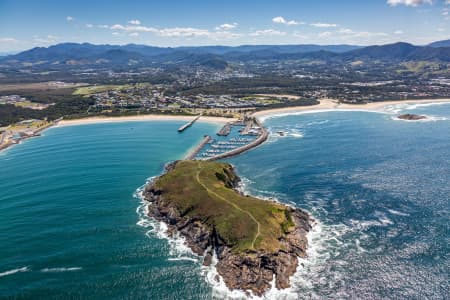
[240, 136]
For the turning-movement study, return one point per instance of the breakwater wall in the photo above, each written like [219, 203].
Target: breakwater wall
[199, 147]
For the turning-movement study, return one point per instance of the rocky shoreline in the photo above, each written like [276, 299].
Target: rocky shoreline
[411, 117]
[250, 271]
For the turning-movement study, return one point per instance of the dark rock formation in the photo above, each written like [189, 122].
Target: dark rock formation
[411, 117]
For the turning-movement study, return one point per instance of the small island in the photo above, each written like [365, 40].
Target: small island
[411, 117]
[256, 241]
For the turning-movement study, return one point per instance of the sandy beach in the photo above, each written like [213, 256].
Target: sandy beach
[330, 104]
[100, 119]
[325, 104]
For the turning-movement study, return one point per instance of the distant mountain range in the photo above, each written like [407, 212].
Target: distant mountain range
[218, 57]
[444, 43]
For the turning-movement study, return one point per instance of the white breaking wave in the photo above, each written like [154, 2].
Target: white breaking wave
[399, 213]
[427, 119]
[62, 269]
[178, 250]
[182, 258]
[397, 108]
[14, 271]
[317, 122]
[324, 242]
[221, 291]
[306, 112]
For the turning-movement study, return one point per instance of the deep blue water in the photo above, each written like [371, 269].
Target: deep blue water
[381, 191]
[70, 227]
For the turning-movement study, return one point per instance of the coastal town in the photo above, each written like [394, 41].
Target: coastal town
[14, 134]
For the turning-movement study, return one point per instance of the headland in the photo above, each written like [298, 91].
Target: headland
[255, 241]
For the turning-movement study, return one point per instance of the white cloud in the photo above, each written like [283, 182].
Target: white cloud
[227, 26]
[269, 32]
[346, 31]
[115, 33]
[409, 2]
[398, 32]
[367, 34]
[221, 33]
[89, 25]
[134, 22]
[323, 25]
[300, 35]
[49, 39]
[8, 40]
[325, 34]
[103, 26]
[134, 34]
[70, 19]
[133, 28]
[183, 32]
[347, 34]
[281, 20]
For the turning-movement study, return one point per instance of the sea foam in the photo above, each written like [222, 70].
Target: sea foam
[14, 271]
[62, 269]
[178, 250]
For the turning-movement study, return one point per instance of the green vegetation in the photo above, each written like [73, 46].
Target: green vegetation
[204, 190]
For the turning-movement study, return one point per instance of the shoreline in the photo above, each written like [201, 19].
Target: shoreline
[324, 105]
[334, 105]
[152, 117]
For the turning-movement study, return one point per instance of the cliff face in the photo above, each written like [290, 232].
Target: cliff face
[247, 269]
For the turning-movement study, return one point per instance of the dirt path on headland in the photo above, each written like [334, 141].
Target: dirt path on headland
[232, 204]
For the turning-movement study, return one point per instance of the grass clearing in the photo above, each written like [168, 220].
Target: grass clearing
[93, 89]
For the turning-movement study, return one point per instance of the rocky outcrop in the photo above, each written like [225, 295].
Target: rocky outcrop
[256, 271]
[250, 270]
[411, 117]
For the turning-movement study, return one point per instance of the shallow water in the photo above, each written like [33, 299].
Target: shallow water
[71, 228]
[68, 221]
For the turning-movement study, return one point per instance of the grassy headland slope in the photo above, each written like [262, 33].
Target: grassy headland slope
[254, 240]
[205, 190]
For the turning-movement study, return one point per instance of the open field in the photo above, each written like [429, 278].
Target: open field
[93, 89]
[42, 86]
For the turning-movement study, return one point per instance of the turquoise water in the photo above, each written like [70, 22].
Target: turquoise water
[70, 227]
[68, 215]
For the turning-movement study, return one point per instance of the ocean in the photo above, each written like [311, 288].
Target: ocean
[73, 225]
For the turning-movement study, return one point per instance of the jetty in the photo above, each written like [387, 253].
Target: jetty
[196, 150]
[225, 131]
[189, 124]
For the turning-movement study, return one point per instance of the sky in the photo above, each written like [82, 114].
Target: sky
[169, 23]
